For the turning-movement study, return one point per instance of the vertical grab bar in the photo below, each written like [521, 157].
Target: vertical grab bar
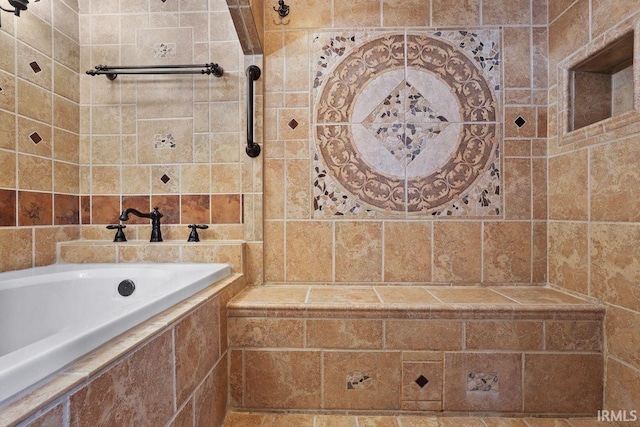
[253, 74]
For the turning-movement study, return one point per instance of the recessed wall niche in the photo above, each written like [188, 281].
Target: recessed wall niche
[602, 85]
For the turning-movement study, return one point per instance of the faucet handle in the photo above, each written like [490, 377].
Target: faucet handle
[120, 237]
[193, 236]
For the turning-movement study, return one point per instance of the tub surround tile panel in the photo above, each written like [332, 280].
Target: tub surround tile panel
[135, 371]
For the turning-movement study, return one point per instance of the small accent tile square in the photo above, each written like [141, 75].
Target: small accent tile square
[165, 178]
[36, 138]
[293, 124]
[520, 121]
[35, 67]
[422, 381]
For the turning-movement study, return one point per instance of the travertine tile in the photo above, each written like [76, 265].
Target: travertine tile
[505, 12]
[507, 252]
[196, 348]
[504, 422]
[184, 418]
[288, 420]
[568, 32]
[617, 393]
[358, 13]
[563, 383]
[469, 296]
[406, 13]
[414, 390]
[614, 263]
[243, 419]
[271, 295]
[423, 334]
[568, 255]
[517, 48]
[574, 335]
[407, 252]
[51, 418]
[334, 294]
[623, 334]
[455, 12]
[137, 391]
[380, 421]
[518, 188]
[261, 332]
[405, 295]
[503, 335]
[211, 397]
[358, 251]
[457, 251]
[539, 296]
[344, 333]
[308, 251]
[335, 421]
[282, 379]
[361, 380]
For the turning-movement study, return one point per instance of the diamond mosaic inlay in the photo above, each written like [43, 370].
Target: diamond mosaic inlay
[407, 123]
[35, 138]
[35, 67]
[520, 121]
[293, 124]
[422, 381]
[165, 178]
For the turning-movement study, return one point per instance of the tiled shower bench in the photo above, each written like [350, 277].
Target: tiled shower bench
[505, 350]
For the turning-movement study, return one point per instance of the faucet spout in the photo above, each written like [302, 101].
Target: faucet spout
[156, 233]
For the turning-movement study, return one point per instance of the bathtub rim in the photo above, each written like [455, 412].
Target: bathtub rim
[45, 394]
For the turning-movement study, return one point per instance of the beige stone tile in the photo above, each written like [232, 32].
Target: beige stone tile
[377, 421]
[335, 421]
[507, 252]
[623, 334]
[40, 110]
[505, 12]
[539, 274]
[504, 335]
[606, 14]
[431, 391]
[211, 397]
[575, 335]
[423, 334]
[538, 295]
[614, 263]
[407, 252]
[418, 421]
[271, 295]
[88, 253]
[35, 173]
[361, 380]
[615, 182]
[27, 128]
[455, 12]
[460, 421]
[236, 380]
[274, 178]
[469, 296]
[308, 251]
[51, 418]
[46, 240]
[504, 395]
[262, 332]
[563, 383]
[105, 180]
[137, 391]
[336, 294]
[568, 32]
[539, 188]
[528, 129]
[273, 251]
[344, 333]
[196, 348]
[405, 295]
[243, 419]
[293, 123]
[282, 379]
[8, 161]
[297, 194]
[568, 255]
[406, 13]
[358, 251]
[517, 49]
[504, 422]
[149, 253]
[358, 13]
[288, 420]
[549, 422]
[517, 188]
[457, 251]
[617, 392]
[7, 128]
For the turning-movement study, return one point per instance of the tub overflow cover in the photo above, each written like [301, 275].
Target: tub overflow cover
[126, 287]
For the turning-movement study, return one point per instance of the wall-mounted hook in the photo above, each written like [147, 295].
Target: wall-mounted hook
[283, 12]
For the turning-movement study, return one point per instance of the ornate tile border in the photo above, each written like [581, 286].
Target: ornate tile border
[383, 148]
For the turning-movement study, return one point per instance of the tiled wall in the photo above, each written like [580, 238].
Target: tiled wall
[593, 191]
[175, 142]
[385, 182]
[39, 120]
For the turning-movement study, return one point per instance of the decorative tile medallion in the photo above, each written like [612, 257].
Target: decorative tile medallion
[407, 124]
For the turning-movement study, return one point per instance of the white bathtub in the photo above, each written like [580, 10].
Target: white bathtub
[51, 316]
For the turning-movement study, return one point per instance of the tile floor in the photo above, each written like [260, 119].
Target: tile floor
[254, 419]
